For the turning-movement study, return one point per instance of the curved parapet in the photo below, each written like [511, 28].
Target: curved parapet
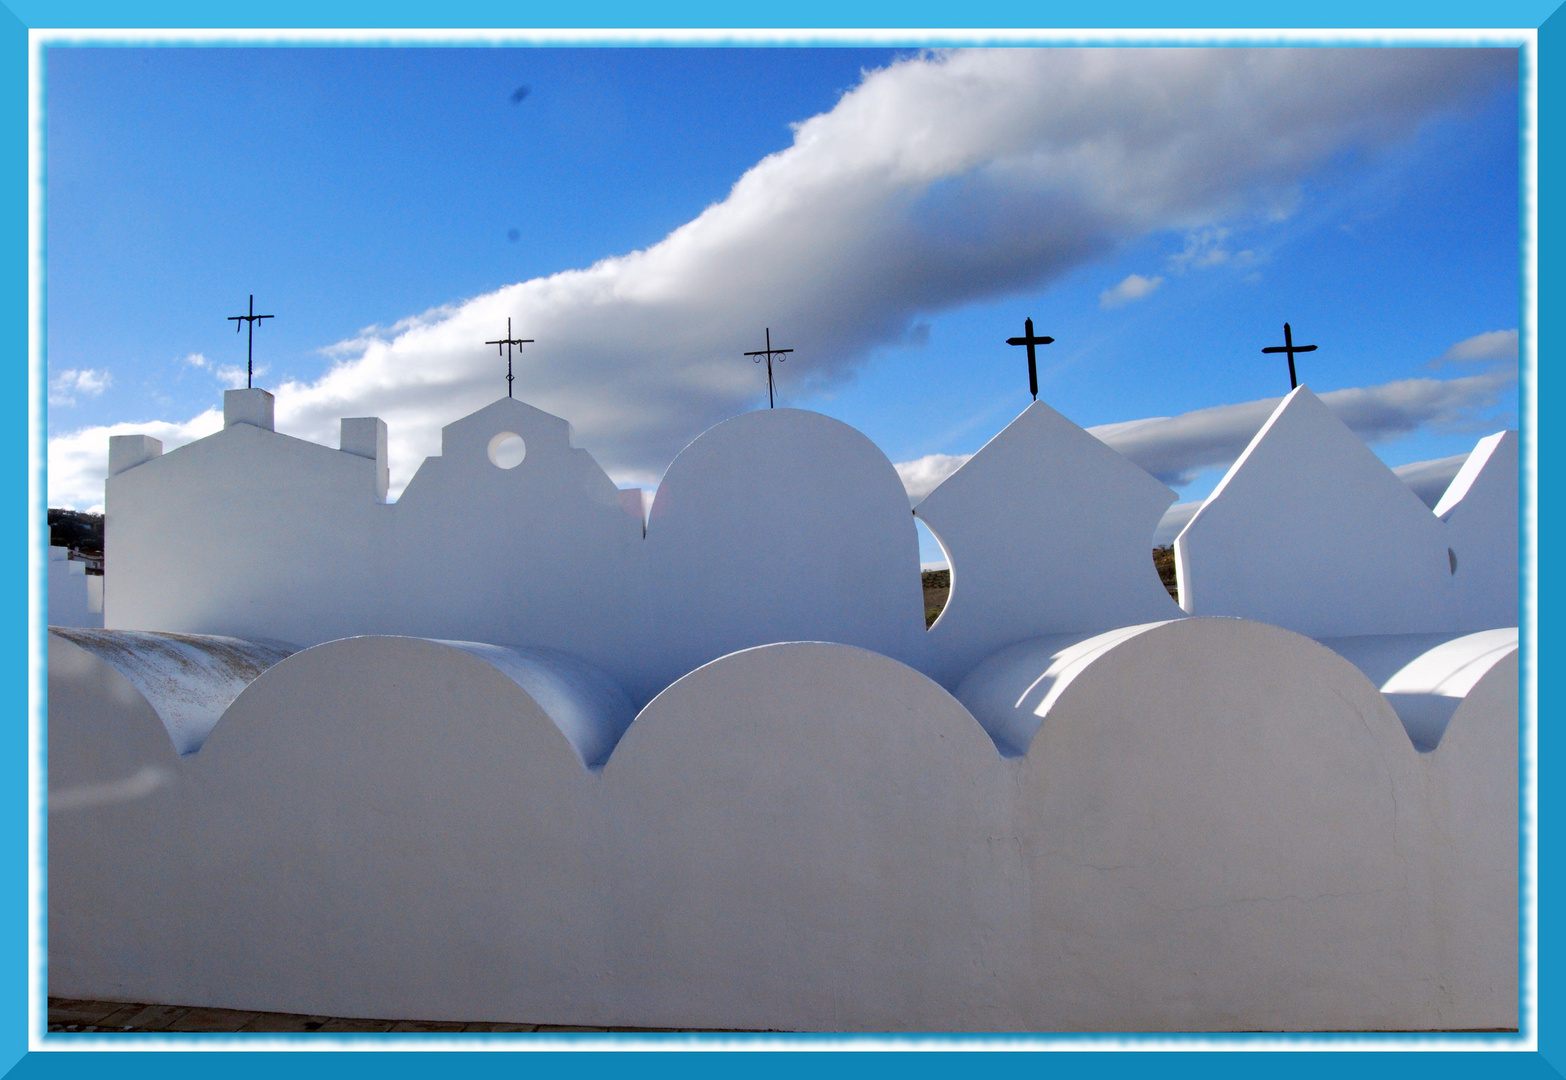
[589, 708]
[186, 679]
[1426, 677]
[377, 827]
[123, 707]
[1473, 783]
[1217, 818]
[807, 836]
[1011, 692]
[1215, 825]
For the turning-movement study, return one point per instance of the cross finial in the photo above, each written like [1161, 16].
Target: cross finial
[250, 348]
[769, 352]
[1029, 340]
[1289, 347]
[504, 348]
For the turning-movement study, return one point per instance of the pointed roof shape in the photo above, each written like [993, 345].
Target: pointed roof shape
[1310, 531]
[480, 460]
[1049, 531]
[1480, 511]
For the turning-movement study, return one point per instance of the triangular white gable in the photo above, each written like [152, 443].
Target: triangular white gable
[1310, 531]
[1480, 511]
[1049, 531]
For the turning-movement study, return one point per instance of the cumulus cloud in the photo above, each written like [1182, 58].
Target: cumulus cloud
[197, 360]
[923, 475]
[89, 382]
[1496, 345]
[78, 461]
[942, 179]
[1134, 287]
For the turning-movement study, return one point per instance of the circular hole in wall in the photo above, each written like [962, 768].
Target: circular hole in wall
[507, 450]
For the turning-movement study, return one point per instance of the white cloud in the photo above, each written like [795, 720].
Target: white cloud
[1203, 248]
[197, 360]
[1132, 288]
[1484, 348]
[942, 179]
[232, 376]
[79, 461]
[923, 475]
[90, 382]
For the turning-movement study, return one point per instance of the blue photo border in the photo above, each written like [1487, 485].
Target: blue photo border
[25, 1052]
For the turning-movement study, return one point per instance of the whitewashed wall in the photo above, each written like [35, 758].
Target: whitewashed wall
[75, 597]
[1048, 531]
[1216, 824]
[1482, 528]
[1310, 531]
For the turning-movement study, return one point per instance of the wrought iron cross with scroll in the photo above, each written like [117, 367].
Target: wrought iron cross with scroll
[503, 347]
[769, 352]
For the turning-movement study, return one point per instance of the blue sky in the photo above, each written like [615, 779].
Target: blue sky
[1369, 199]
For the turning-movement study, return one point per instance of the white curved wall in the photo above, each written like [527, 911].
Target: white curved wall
[1214, 820]
[778, 525]
[1216, 825]
[1427, 677]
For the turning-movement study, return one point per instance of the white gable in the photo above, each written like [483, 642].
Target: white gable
[1480, 511]
[1310, 531]
[1049, 531]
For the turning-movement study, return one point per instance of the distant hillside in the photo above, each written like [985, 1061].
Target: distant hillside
[82, 533]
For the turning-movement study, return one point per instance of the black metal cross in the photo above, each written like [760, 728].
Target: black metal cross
[250, 347]
[507, 342]
[769, 352]
[1289, 347]
[1029, 340]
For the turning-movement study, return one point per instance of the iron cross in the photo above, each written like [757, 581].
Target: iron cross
[507, 342]
[769, 352]
[250, 347]
[1030, 341]
[1289, 347]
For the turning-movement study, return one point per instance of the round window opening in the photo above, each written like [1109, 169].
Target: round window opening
[507, 450]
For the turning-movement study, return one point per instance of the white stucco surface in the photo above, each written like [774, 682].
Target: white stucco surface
[778, 525]
[1049, 531]
[1425, 677]
[1482, 528]
[1217, 825]
[75, 596]
[1012, 691]
[186, 679]
[1310, 531]
[1472, 784]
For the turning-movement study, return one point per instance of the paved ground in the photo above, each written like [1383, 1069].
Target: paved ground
[66, 1014]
